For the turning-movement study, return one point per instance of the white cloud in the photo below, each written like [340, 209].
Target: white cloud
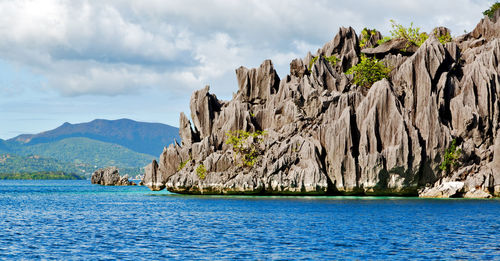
[75, 61]
[119, 47]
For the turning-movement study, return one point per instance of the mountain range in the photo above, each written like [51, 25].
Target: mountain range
[142, 137]
[84, 147]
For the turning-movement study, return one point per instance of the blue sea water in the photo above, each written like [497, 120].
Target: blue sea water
[68, 220]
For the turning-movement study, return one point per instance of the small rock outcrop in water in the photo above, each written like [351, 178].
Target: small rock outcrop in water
[324, 135]
[110, 177]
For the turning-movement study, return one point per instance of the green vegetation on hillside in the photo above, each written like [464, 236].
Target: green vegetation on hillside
[491, 11]
[246, 145]
[83, 148]
[4, 148]
[12, 164]
[86, 151]
[40, 175]
[368, 71]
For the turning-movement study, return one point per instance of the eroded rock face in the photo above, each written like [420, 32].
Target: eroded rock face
[389, 150]
[488, 28]
[344, 46]
[324, 135]
[257, 85]
[110, 177]
[393, 46]
[375, 36]
[152, 178]
[445, 190]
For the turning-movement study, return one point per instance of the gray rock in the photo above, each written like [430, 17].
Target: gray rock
[416, 83]
[298, 68]
[441, 31]
[110, 177]
[204, 109]
[477, 193]
[495, 167]
[393, 46]
[374, 38]
[444, 190]
[324, 135]
[188, 136]
[475, 110]
[345, 46]
[488, 28]
[389, 149]
[257, 85]
[152, 179]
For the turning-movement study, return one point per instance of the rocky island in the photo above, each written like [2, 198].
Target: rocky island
[110, 176]
[428, 127]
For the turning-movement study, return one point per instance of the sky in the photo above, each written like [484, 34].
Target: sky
[75, 61]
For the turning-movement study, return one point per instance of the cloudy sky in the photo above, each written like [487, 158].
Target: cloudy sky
[75, 61]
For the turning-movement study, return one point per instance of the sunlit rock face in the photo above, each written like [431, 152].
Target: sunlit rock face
[110, 176]
[323, 135]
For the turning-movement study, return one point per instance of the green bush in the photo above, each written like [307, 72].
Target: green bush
[333, 60]
[412, 35]
[246, 145]
[451, 156]
[313, 60]
[201, 171]
[491, 11]
[443, 38]
[365, 36]
[368, 71]
[384, 40]
[183, 164]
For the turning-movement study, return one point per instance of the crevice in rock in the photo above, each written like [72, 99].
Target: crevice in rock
[355, 143]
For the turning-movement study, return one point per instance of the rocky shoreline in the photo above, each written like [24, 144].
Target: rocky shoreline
[314, 132]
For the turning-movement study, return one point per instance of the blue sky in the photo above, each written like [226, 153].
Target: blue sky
[75, 61]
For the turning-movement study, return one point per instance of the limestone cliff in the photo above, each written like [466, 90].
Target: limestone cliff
[326, 136]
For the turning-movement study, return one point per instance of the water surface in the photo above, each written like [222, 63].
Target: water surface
[77, 220]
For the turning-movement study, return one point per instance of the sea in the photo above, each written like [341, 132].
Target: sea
[74, 220]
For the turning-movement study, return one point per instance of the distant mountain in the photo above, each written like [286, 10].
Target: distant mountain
[141, 137]
[80, 150]
[11, 164]
[37, 167]
[3, 146]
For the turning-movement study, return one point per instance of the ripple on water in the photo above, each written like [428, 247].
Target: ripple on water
[76, 220]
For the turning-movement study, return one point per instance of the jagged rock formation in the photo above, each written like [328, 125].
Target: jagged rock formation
[393, 46]
[110, 177]
[325, 135]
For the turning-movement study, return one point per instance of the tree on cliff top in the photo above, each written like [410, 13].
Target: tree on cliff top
[491, 11]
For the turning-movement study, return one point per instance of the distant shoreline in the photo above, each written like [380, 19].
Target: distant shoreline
[43, 175]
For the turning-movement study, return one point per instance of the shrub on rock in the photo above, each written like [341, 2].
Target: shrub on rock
[368, 71]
